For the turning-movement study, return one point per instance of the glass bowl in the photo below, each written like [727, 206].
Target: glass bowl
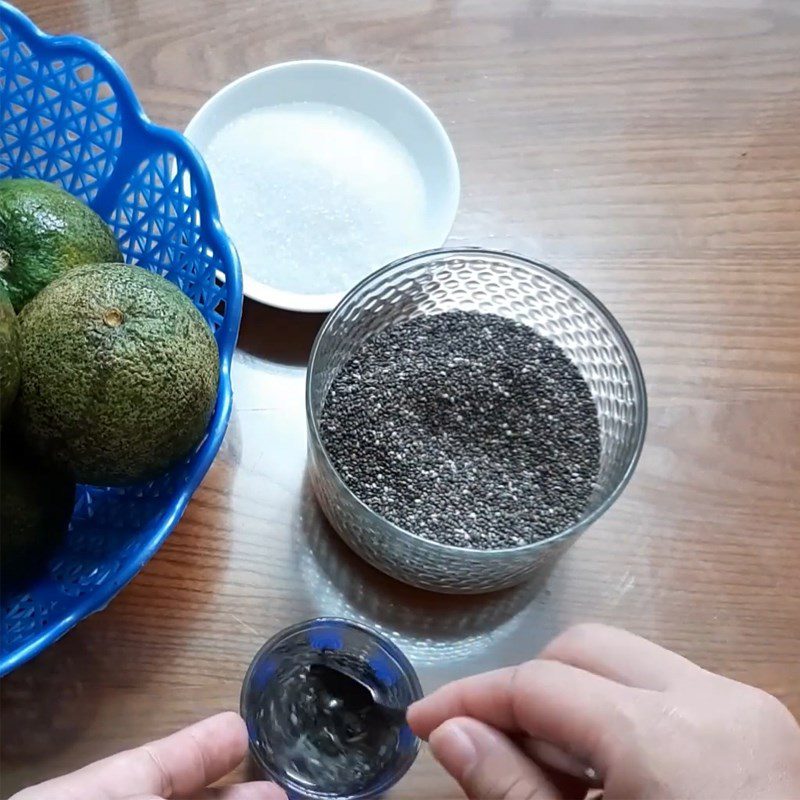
[355, 648]
[519, 289]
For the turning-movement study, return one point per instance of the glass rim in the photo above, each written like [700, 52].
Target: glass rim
[396, 653]
[576, 527]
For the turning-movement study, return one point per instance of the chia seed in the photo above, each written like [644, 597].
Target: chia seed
[467, 429]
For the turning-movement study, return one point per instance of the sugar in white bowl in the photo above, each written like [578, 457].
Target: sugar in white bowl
[315, 196]
[324, 172]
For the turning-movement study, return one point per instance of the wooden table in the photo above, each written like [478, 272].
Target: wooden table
[648, 147]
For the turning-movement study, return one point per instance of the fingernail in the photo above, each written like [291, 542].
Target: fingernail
[453, 748]
[558, 759]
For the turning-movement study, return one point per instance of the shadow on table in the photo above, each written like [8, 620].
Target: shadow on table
[44, 704]
[278, 335]
[428, 626]
[47, 704]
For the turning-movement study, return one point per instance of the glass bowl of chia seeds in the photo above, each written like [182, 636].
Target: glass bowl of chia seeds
[470, 412]
[309, 739]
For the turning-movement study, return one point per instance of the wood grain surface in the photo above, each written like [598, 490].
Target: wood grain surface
[648, 147]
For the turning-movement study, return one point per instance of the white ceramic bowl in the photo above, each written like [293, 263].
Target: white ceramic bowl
[357, 89]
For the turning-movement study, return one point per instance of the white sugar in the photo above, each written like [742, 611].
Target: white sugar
[315, 196]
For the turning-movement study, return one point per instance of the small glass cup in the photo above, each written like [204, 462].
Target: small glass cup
[375, 659]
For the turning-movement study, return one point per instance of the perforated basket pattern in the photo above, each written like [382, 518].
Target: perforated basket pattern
[68, 115]
[516, 288]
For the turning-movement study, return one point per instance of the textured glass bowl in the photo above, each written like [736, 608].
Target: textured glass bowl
[516, 288]
[334, 641]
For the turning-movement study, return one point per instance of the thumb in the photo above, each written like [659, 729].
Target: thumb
[258, 790]
[487, 764]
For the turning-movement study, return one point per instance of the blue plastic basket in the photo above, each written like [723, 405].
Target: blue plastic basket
[68, 115]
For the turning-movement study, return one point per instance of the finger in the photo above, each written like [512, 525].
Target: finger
[485, 697]
[486, 764]
[619, 656]
[181, 764]
[585, 714]
[260, 790]
[556, 759]
[572, 777]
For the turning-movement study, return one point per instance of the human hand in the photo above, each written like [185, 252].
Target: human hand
[181, 765]
[629, 715]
